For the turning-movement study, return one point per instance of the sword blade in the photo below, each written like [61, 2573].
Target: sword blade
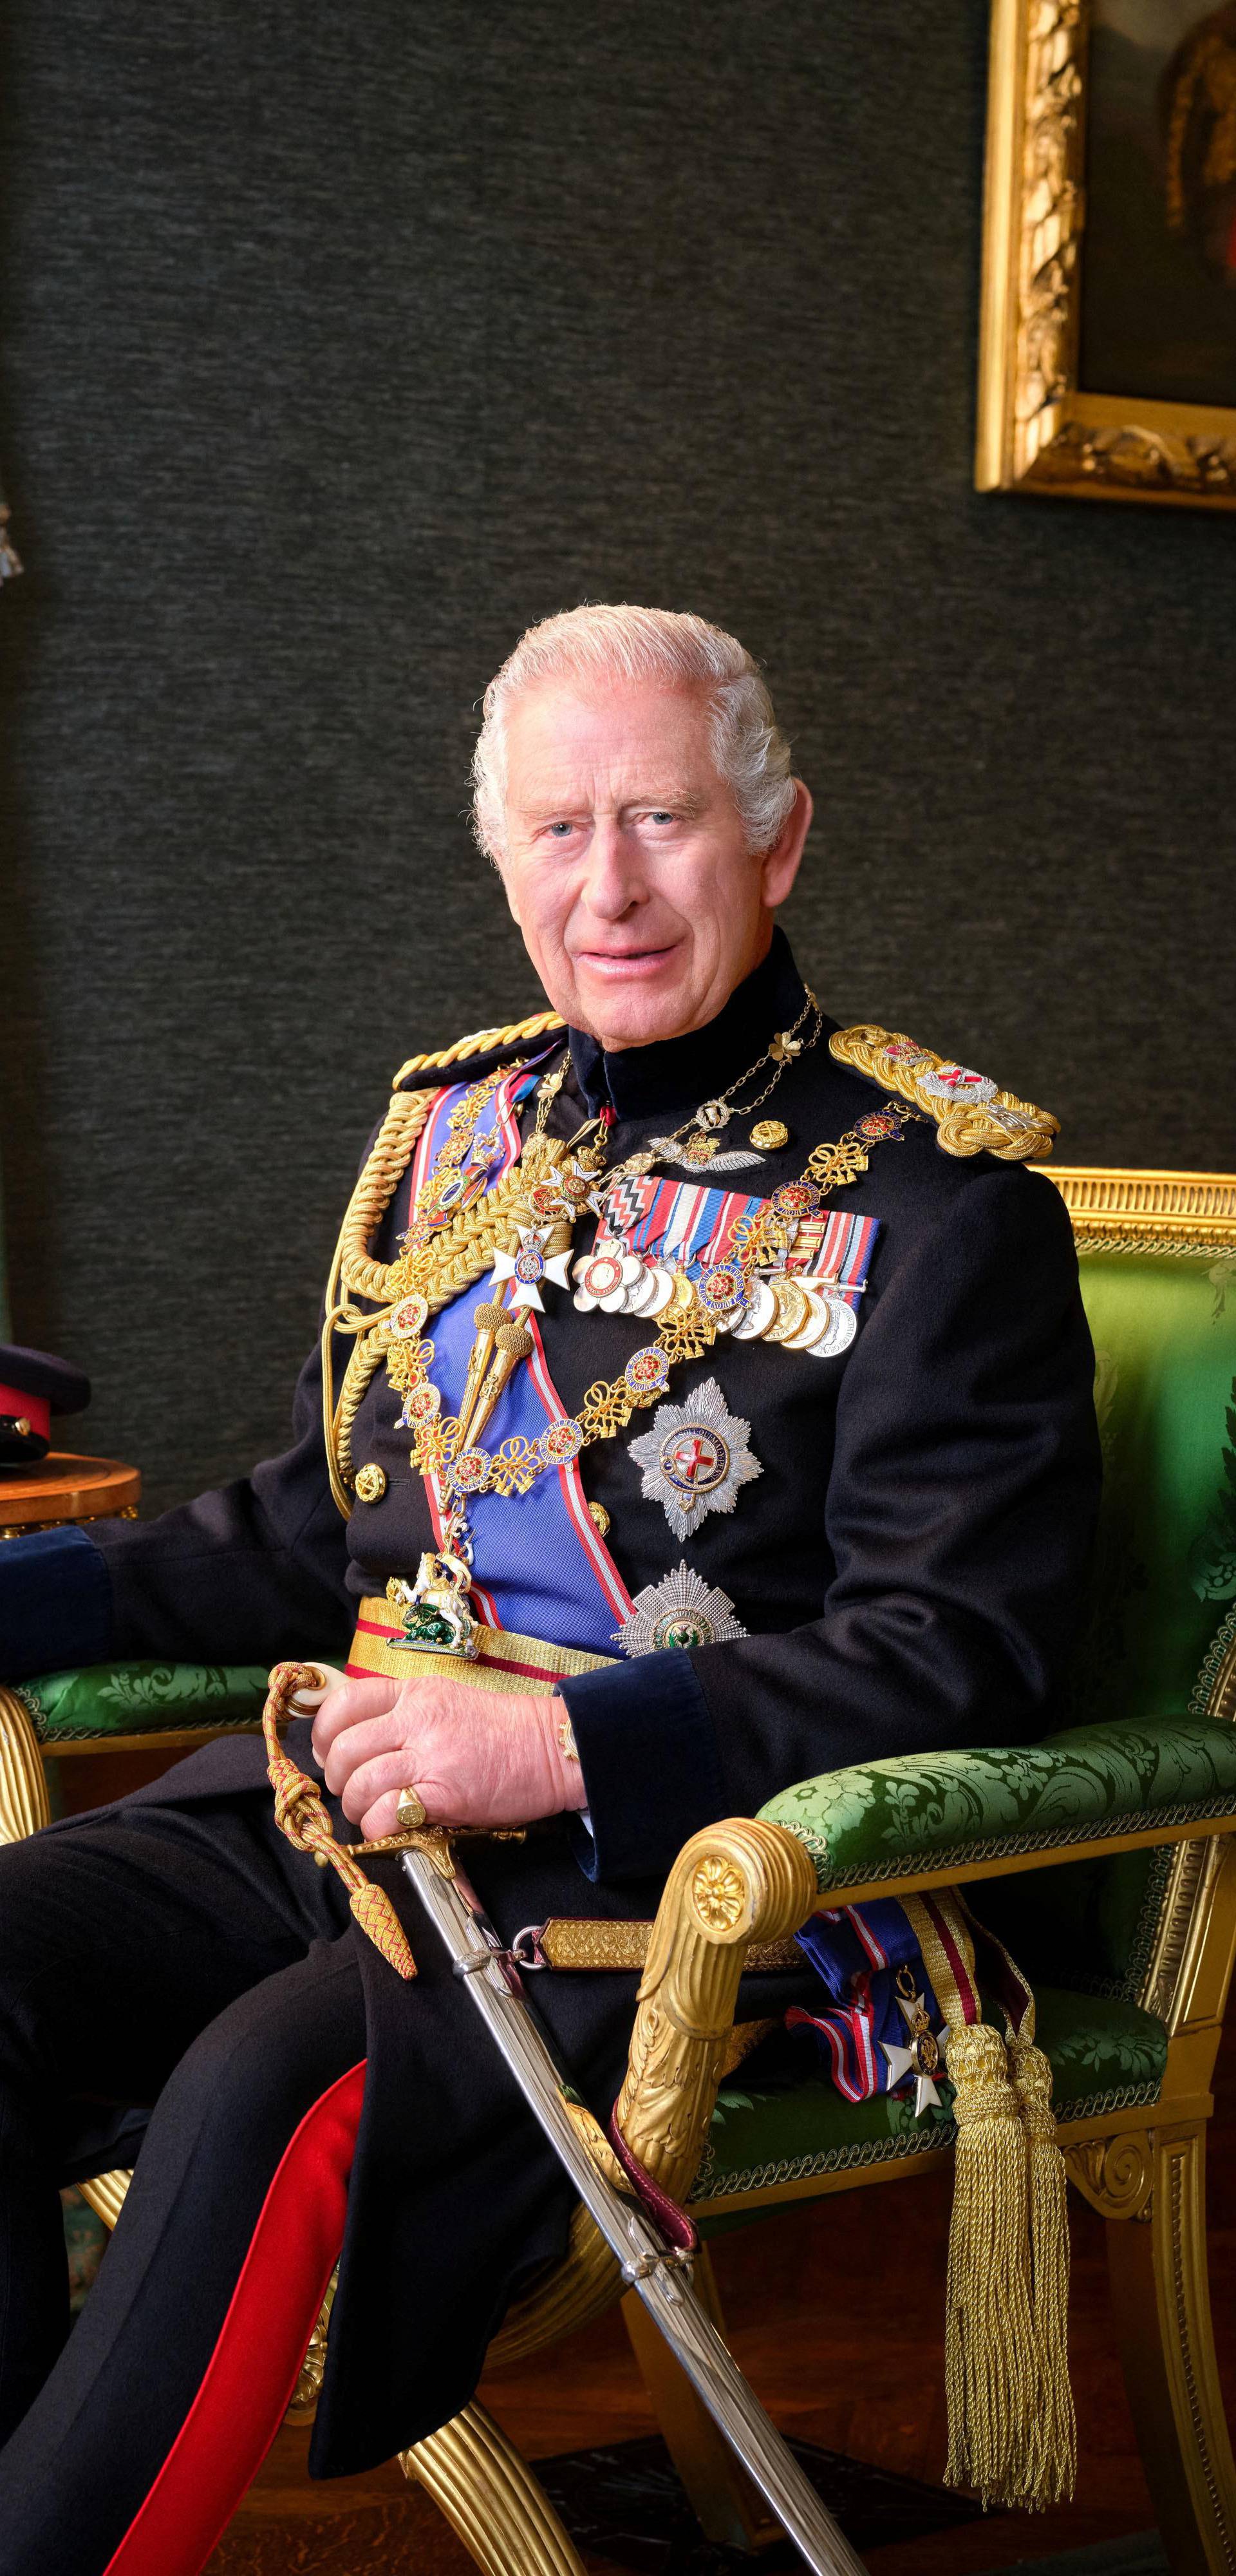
[660, 2277]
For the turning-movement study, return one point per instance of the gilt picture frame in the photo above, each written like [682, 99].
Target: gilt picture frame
[1108, 335]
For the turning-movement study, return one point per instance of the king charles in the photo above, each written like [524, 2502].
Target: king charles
[704, 1401]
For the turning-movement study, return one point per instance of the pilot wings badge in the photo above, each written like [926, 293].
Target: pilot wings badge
[699, 1153]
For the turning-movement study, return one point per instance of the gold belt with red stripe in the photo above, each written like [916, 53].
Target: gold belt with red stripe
[505, 1661]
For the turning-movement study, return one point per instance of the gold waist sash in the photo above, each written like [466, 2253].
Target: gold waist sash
[505, 1661]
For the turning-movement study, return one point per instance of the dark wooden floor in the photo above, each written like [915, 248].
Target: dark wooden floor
[835, 2312]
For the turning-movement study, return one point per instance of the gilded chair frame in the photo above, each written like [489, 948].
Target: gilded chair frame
[744, 1881]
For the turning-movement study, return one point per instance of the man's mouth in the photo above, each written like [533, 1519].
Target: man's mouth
[626, 961]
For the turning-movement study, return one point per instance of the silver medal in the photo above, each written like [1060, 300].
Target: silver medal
[695, 1458]
[841, 1331]
[761, 1311]
[651, 1293]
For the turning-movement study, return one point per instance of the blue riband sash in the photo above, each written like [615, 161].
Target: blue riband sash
[542, 1567]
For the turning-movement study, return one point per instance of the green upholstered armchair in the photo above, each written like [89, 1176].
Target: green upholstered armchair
[1103, 1856]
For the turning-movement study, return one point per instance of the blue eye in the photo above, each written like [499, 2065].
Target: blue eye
[663, 818]
[559, 827]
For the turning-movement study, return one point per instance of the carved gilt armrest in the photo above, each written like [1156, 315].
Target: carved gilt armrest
[732, 1884]
[892, 1827]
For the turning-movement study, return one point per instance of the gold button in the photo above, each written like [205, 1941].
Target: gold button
[371, 1483]
[770, 1135]
[598, 1515]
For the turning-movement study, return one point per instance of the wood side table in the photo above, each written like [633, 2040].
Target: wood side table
[66, 1488]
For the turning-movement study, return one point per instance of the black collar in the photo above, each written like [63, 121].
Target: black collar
[678, 1073]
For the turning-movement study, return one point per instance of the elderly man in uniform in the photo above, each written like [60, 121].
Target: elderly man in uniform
[693, 1423]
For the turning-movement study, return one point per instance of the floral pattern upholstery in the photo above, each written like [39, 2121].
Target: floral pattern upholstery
[877, 1819]
[142, 1698]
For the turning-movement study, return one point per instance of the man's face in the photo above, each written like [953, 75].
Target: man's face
[627, 866]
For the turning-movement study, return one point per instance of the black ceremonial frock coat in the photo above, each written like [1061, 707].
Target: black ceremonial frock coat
[908, 1565]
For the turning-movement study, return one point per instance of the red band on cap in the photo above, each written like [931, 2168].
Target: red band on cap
[34, 1409]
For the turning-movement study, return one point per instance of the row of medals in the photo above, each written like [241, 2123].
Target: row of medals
[799, 1313]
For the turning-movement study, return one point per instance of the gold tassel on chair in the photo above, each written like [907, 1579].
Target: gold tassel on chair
[988, 2350]
[301, 1814]
[1012, 2431]
[1054, 2420]
[1055, 2464]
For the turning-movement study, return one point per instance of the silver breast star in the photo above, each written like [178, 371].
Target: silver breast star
[695, 1458]
[681, 1610]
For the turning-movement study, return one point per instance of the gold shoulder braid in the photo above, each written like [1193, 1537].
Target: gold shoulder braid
[972, 1115]
[516, 1033]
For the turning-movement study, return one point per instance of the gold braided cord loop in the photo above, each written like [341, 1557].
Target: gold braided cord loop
[301, 1814]
[482, 1041]
[364, 1360]
[460, 1253]
[1013, 1129]
[384, 1168]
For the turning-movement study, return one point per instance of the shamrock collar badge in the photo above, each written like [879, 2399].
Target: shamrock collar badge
[527, 1267]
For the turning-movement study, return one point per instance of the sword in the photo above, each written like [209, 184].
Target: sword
[658, 2271]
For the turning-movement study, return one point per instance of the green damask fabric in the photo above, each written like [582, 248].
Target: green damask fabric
[874, 1818]
[1105, 2056]
[1165, 1388]
[1161, 1610]
[1165, 1572]
[142, 1698]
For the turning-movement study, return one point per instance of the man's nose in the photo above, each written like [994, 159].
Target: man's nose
[614, 880]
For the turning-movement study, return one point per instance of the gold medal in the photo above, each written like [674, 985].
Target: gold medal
[793, 1308]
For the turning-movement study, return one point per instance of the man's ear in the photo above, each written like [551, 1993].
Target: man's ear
[780, 865]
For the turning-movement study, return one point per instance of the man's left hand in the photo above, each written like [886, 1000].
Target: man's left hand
[474, 1757]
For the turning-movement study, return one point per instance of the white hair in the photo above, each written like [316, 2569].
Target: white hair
[660, 644]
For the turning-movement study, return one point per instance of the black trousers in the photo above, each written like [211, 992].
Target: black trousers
[188, 1960]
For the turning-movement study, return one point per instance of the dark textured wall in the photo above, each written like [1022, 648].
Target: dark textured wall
[341, 343]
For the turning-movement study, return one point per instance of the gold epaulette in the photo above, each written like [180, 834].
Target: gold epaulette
[972, 1114]
[482, 1042]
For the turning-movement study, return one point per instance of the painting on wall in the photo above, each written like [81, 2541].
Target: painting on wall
[1108, 360]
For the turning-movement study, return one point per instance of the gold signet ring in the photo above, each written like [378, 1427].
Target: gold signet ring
[410, 1810]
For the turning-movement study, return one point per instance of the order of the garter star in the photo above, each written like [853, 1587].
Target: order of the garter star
[695, 1458]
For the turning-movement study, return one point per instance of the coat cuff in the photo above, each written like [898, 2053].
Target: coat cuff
[648, 1752]
[55, 1603]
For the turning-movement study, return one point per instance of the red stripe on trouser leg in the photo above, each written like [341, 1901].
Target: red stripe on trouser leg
[248, 2381]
